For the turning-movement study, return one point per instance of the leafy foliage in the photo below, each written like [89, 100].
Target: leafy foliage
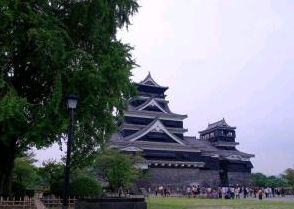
[261, 180]
[48, 50]
[82, 183]
[118, 169]
[85, 186]
[51, 172]
[288, 175]
[26, 174]
[56, 188]
[274, 181]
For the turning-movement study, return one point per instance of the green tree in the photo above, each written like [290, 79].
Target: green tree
[80, 186]
[51, 172]
[48, 50]
[259, 179]
[117, 169]
[288, 175]
[25, 177]
[52, 175]
[26, 174]
[274, 181]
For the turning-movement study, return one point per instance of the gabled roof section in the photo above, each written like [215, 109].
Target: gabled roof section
[150, 102]
[155, 126]
[149, 81]
[219, 124]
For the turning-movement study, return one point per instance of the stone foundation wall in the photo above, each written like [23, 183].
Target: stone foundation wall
[181, 177]
[209, 177]
[240, 178]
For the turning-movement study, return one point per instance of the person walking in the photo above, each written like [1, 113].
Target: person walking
[232, 191]
[245, 192]
[260, 194]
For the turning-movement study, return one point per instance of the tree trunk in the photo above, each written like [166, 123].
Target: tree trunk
[7, 156]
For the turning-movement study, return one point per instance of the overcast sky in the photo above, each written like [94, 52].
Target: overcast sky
[231, 59]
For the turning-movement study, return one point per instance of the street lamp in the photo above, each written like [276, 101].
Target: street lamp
[71, 102]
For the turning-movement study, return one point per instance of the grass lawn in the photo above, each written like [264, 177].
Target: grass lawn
[185, 203]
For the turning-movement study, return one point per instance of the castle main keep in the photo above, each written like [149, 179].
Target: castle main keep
[151, 129]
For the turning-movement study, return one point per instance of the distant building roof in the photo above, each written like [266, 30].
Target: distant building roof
[219, 124]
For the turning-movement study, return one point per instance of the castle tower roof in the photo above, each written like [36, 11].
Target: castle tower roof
[149, 81]
[221, 124]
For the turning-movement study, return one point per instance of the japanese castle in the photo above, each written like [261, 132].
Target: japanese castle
[152, 130]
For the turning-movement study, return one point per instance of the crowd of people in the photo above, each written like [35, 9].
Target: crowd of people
[231, 192]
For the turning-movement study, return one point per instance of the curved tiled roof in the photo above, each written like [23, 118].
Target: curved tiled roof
[156, 146]
[202, 144]
[151, 114]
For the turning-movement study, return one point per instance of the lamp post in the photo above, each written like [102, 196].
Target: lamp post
[71, 102]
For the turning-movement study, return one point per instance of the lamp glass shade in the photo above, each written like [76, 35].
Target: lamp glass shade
[72, 102]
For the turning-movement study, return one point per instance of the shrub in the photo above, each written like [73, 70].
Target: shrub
[85, 186]
[79, 187]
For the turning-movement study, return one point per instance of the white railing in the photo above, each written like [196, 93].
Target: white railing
[9, 202]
